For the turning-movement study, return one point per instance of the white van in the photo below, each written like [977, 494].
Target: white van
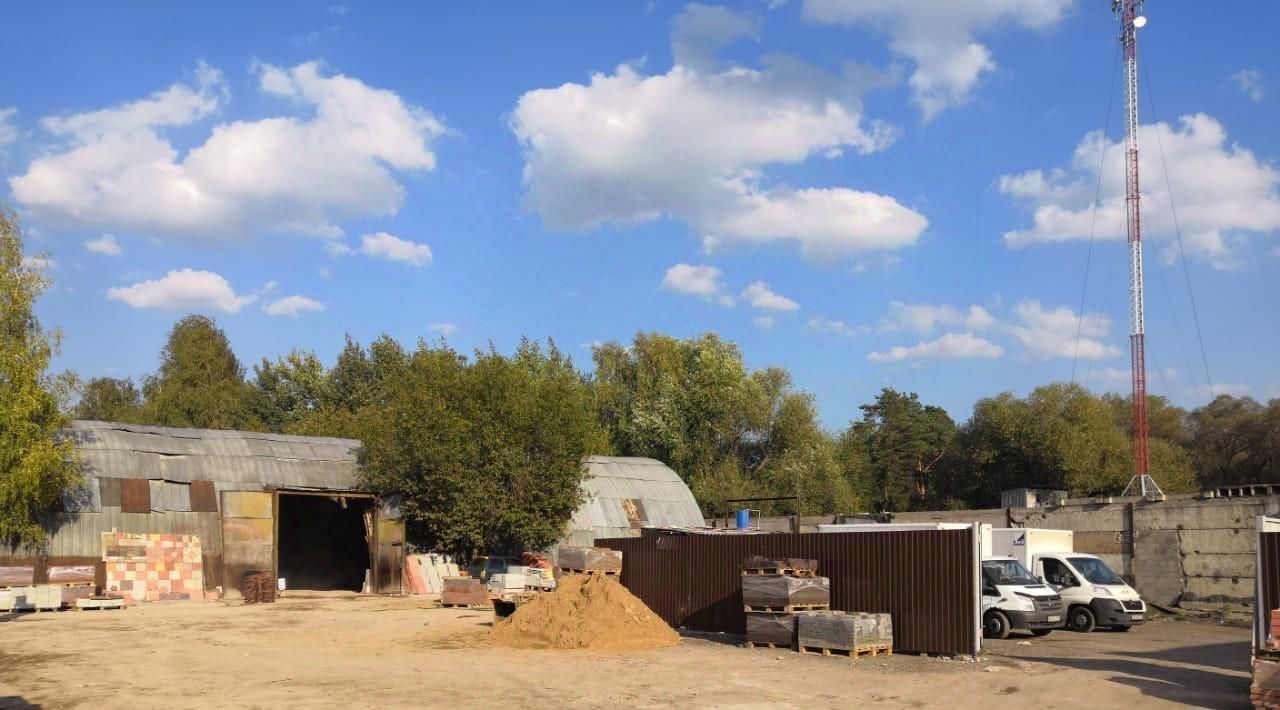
[1013, 599]
[1093, 594]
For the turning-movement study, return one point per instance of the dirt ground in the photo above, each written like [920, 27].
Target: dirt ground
[360, 652]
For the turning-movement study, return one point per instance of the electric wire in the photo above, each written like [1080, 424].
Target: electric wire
[1177, 228]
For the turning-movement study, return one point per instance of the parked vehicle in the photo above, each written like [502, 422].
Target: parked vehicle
[1013, 599]
[1093, 594]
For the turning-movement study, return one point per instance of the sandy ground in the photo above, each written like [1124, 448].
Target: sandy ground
[360, 652]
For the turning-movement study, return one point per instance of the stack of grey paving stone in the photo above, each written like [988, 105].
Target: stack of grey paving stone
[849, 632]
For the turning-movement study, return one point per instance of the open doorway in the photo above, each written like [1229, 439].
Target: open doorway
[323, 541]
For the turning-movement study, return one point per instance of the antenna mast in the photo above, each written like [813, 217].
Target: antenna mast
[1130, 14]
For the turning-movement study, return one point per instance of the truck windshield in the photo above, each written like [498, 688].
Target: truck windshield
[1006, 572]
[1095, 570]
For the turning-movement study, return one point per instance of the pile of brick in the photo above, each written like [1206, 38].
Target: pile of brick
[773, 591]
[1265, 690]
[258, 587]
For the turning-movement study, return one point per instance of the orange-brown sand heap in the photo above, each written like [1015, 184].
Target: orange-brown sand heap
[585, 611]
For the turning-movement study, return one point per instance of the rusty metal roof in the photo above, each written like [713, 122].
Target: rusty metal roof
[624, 494]
[235, 459]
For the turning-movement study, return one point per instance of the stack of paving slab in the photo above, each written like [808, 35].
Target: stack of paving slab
[464, 591]
[845, 633]
[589, 560]
[773, 591]
[33, 597]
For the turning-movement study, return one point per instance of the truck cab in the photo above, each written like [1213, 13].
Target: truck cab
[1013, 599]
[1094, 595]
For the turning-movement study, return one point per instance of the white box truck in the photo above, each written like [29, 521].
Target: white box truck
[1092, 593]
[1011, 598]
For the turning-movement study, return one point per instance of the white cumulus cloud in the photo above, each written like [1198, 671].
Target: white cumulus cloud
[392, 248]
[291, 306]
[939, 36]
[106, 244]
[760, 296]
[1224, 193]
[822, 324]
[183, 290]
[445, 329]
[1051, 333]
[695, 280]
[1249, 82]
[8, 131]
[693, 144]
[949, 346]
[39, 262]
[300, 173]
[924, 317]
[763, 322]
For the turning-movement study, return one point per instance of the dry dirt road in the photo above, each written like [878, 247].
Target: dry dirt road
[362, 652]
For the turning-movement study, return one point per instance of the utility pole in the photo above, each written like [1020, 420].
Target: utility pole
[1131, 20]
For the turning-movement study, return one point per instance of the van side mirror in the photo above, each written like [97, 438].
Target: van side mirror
[990, 591]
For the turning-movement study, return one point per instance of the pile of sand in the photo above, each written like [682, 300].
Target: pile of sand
[585, 611]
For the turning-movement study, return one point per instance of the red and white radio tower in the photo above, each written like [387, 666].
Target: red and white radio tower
[1131, 20]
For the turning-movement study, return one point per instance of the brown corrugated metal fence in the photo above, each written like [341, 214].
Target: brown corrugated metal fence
[924, 578]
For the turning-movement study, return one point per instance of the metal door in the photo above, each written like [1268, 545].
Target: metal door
[388, 564]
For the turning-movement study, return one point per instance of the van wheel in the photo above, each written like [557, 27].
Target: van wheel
[1081, 620]
[1040, 632]
[996, 626]
[1120, 628]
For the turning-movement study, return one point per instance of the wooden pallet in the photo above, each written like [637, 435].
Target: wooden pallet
[784, 571]
[100, 604]
[788, 608]
[606, 572]
[767, 644]
[855, 653]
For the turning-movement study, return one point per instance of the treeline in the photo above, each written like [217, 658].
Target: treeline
[458, 433]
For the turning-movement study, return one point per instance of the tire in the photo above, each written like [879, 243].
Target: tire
[995, 625]
[1121, 629]
[1081, 620]
[1040, 632]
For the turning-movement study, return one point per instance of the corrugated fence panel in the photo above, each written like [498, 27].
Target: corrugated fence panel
[923, 578]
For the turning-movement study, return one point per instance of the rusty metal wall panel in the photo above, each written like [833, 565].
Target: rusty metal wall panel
[246, 504]
[925, 579]
[204, 499]
[135, 495]
[248, 536]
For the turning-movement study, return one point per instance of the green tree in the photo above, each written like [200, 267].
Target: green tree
[1236, 440]
[36, 466]
[110, 400]
[289, 390]
[903, 441]
[487, 454]
[200, 382]
[728, 432]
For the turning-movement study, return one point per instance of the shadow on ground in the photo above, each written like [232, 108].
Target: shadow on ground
[1212, 685]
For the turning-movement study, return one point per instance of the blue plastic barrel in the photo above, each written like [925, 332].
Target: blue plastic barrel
[744, 518]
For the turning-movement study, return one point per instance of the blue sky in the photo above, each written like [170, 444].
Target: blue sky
[869, 193]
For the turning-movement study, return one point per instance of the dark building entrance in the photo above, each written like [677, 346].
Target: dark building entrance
[323, 542]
